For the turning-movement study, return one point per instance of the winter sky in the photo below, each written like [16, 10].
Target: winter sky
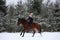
[8, 2]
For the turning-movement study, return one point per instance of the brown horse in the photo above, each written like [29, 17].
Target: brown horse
[34, 26]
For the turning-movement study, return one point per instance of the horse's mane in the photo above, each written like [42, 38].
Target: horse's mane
[23, 19]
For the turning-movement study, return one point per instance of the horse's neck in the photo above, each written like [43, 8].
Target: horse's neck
[24, 23]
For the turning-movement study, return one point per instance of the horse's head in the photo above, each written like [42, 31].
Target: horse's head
[19, 21]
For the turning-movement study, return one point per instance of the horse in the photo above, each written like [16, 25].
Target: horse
[34, 26]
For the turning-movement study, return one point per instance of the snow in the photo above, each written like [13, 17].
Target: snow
[9, 2]
[28, 36]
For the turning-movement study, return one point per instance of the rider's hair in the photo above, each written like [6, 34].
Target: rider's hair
[30, 13]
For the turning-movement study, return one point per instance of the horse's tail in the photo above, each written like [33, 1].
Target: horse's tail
[40, 29]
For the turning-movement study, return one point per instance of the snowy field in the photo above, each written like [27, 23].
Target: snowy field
[28, 36]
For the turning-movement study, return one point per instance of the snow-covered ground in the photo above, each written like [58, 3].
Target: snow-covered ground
[28, 36]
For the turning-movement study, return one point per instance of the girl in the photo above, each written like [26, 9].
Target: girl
[30, 19]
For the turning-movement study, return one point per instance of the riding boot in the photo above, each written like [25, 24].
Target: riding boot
[28, 27]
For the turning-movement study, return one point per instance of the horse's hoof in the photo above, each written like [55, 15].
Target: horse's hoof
[32, 36]
[22, 36]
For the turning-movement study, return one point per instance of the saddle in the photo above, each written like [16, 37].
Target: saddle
[30, 22]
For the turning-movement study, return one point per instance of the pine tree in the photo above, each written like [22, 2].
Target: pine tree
[35, 6]
[3, 12]
[20, 8]
[3, 7]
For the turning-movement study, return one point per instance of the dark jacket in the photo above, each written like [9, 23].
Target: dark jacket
[30, 20]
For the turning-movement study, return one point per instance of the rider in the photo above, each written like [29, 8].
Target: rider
[30, 19]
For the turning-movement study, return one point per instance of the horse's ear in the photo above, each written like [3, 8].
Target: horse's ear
[19, 18]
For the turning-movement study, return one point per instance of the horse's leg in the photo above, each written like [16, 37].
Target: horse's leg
[40, 30]
[33, 33]
[40, 33]
[23, 33]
